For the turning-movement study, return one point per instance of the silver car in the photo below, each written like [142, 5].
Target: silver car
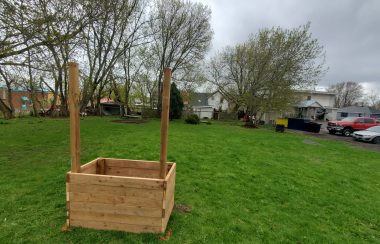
[370, 135]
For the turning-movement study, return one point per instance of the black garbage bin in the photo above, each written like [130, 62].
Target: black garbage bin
[297, 123]
[312, 127]
[280, 128]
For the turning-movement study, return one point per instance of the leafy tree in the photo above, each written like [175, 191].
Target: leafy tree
[176, 103]
[262, 74]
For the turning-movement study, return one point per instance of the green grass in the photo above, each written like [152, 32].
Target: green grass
[244, 185]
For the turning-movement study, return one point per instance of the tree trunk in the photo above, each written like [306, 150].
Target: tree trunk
[10, 100]
[6, 110]
[159, 93]
[126, 97]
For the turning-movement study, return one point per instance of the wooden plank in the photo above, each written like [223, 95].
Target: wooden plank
[90, 164]
[167, 215]
[90, 167]
[170, 189]
[116, 209]
[115, 218]
[112, 199]
[100, 167]
[133, 172]
[115, 190]
[101, 225]
[165, 122]
[171, 167]
[128, 163]
[169, 186]
[74, 107]
[110, 180]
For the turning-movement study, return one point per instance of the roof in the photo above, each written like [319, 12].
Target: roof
[21, 89]
[309, 104]
[199, 99]
[316, 92]
[355, 109]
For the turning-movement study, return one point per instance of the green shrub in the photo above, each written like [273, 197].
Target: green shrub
[192, 119]
[176, 103]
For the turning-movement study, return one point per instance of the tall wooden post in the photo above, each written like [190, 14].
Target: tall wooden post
[165, 121]
[74, 116]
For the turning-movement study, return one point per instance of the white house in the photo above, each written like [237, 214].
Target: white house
[312, 104]
[326, 100]
[204, 104]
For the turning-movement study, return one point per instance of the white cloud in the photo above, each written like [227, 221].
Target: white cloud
[348, 29]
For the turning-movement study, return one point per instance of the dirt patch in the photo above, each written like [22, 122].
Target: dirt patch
[129, 121]
[310, 142]
[182, 208]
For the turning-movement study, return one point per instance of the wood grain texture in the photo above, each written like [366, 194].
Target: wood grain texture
[111, 199]
[133, 172]
[111, 180]
[131, 204]
[165, 121]
[116, 209]
[115, 191]
[115, 218]
[74, 116]
[103, 225]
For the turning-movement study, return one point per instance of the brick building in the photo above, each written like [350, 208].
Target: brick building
[22, 101]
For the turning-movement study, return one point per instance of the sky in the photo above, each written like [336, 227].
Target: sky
[349, 30]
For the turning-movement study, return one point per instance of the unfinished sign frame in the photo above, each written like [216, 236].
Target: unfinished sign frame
[119, 194]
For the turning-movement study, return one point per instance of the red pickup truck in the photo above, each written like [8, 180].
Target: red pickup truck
[350, 124]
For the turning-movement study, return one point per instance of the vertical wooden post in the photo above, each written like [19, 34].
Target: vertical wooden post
[74, 116]
[165, 121]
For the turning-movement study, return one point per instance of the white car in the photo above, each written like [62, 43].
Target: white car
[371, 134]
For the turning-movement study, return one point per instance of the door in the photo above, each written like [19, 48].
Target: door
[369, 123]
[359, 124]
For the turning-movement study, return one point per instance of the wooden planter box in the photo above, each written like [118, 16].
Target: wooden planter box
[120, 194]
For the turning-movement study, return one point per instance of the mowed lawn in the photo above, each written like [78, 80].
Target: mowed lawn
[243, 185]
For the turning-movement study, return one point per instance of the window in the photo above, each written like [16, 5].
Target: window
[343, 115]
[308, 97]
[361, 121]
[368, 121]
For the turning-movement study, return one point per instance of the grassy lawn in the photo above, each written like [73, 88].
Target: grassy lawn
[244, 185]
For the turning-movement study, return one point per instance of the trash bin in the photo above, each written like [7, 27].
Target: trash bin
[280, 128]
[297, 123]
[312, 127]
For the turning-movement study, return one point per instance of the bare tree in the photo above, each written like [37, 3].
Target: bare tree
[348, 93]
[373, 98]
[7, 108]
[24, 23]
[182, 35]
[29, 25]
[105, 41]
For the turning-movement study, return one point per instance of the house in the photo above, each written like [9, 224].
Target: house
[326, 100]
[21, 99]
[310, 109]
[312, 104]
[358, 111]
[205, 105]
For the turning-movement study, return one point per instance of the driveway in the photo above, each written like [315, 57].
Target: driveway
[324, 134]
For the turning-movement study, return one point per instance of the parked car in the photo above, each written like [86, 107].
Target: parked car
[369, 135]
[350, 124]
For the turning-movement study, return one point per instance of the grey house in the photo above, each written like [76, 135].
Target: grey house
[358, 111]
